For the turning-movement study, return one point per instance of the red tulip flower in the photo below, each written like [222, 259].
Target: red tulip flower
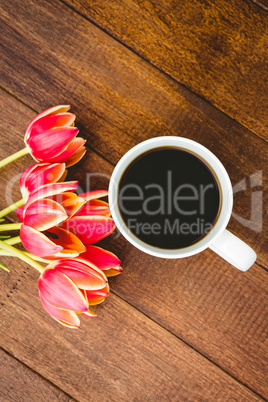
[34, 177]
[92, 221]
[57, 223]
[51, 137]
[40, 174]
[68, 287]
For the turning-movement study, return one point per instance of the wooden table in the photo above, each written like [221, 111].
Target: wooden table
[186, 330]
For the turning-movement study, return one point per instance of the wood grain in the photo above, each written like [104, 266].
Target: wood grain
[47, 60]
[119, 356]
[218, 310]
[216, 48]
[204, 301]
[261, 3]
[19, 383]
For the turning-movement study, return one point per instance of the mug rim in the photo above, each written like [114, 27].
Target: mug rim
[212, 161]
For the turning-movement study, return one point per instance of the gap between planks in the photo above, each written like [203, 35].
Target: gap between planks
[38, 374]
[112, 35]
[260, 4]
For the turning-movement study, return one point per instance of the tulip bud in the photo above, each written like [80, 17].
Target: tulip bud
[51, 137]
[68, 287]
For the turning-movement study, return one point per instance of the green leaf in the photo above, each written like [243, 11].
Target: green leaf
[2, 220]
[5, 237]
[4, 268]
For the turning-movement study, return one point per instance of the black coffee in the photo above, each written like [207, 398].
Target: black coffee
[169, 198]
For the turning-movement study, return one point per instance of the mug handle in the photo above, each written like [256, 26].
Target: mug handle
[234, 250]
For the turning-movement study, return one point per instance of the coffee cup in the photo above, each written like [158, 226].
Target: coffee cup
[171, 197]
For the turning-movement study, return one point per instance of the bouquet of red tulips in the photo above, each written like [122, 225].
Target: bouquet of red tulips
[57, 226]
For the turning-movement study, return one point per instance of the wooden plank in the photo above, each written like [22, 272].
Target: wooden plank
[19, 383]
[261, 3]
[214, 308]
[119, 356]
[122, 102]
[202, 299]
[216, 48]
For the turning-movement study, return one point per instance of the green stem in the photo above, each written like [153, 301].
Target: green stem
[34, 257]
[13, 240]
[10, 226]
[13, 157]
[12, 207]
[20, 254]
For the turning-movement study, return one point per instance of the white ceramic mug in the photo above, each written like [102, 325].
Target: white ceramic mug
[218, 239]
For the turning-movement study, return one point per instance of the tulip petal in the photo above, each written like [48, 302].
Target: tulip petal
[84, 276]
[89, 313]
[91, 195]
[113, 272]
[62, 254]
[72, 208]
[94, 207]
[97, 296]
[90, 229]
[70, 202]
[37, 243]
[51, 143]
[96, 300]
[50, 189]
[64, 175]
[89, 265]
[44, 214]
[103, 259]
[23, 179]
[71, 246]
[82, 279]
[76, 157]
[38, 175]
[52, 110]
[19, 212]
[51, 121]
[65, 317]
[64, 199]
[60, 291]
[70, 150]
